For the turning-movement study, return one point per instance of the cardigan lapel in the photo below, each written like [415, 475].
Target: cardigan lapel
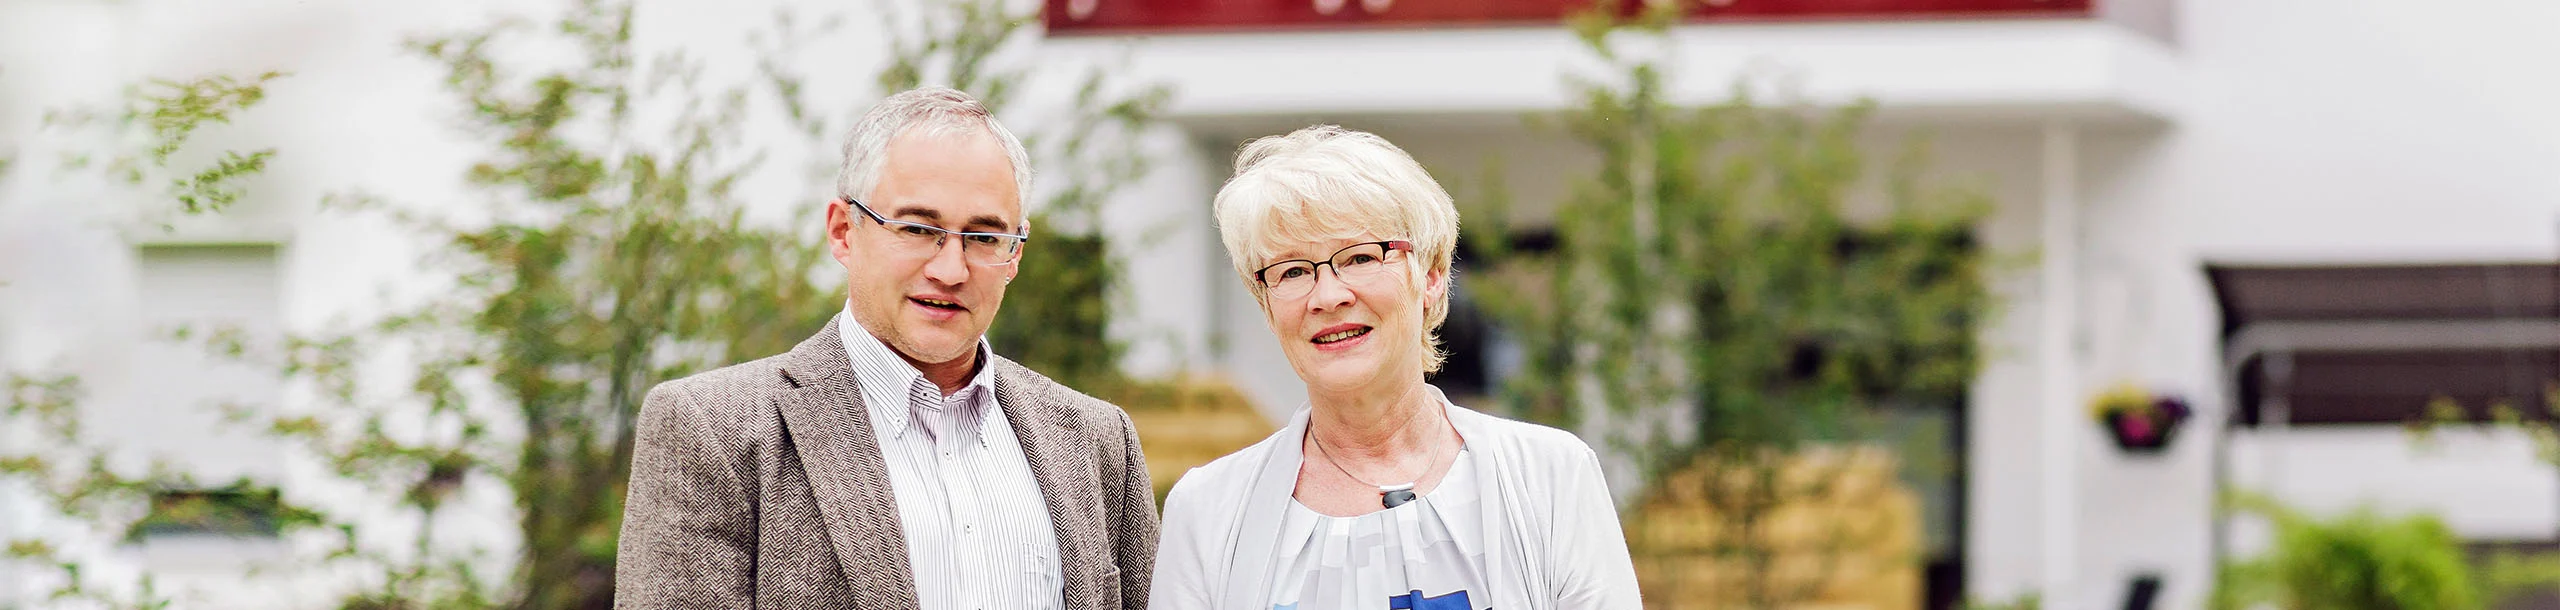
[1257, 535]
[846, 471]
[1493, 492]
[1062, 460]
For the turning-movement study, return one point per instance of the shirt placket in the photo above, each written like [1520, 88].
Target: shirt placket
[954, 452]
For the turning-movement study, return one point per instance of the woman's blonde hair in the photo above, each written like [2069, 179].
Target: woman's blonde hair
[1326, 183]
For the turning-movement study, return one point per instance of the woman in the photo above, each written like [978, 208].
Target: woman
[1380, 494]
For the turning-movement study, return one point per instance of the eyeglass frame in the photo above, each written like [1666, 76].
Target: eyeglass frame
[1391, 245]
[944, 235]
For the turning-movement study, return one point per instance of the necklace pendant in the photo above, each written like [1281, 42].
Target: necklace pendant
[1396, 495]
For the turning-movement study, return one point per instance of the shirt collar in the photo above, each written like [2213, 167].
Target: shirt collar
[884, 379]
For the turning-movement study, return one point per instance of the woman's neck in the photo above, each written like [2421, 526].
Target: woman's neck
[1376, 425]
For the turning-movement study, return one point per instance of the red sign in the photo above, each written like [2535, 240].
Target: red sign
[1070, 17]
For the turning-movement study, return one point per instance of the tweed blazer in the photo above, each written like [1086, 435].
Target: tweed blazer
[760, 485]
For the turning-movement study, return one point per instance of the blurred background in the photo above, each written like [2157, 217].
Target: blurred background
[1872, 304]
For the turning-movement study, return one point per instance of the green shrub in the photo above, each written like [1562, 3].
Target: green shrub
[2358, 561]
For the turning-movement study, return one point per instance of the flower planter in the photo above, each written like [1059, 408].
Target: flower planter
[2136, 434]
[2141, 423]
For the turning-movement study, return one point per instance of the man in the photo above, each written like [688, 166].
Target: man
[891, 461]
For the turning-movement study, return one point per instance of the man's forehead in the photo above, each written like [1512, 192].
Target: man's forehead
[945, 176]
[943, 211]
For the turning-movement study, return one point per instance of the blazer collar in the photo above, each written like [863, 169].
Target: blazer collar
[1062, 457]
[828, 423]
[823, 414]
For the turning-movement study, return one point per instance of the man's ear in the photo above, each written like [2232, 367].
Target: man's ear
[839, 218]
[1015, 269]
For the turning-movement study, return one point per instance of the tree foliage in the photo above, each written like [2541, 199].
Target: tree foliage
[604, 248]
[1716, 264]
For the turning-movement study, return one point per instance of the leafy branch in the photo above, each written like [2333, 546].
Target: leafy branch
[156, 120]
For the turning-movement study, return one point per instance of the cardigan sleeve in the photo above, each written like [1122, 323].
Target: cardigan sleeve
[1183, 549]
[1590, 562]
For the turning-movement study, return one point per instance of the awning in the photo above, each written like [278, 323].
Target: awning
[2376, 344]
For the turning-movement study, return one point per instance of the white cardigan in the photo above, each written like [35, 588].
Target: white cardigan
[1552, 535]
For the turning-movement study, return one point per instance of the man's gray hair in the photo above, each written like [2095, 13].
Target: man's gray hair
[924, 111]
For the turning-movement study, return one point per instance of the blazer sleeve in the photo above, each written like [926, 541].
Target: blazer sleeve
[688, 523]
[1134, 523]
[1591, 562]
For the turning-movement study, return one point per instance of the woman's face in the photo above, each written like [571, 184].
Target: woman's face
[1350, 334]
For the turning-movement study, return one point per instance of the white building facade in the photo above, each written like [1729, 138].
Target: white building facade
[2130, 146]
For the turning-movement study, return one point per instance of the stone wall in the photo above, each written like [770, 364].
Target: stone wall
[1187, 422]
[1841, 533]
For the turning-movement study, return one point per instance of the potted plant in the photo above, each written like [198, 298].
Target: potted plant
[2139, 421]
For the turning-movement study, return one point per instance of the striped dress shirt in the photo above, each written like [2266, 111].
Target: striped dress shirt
[978, 531]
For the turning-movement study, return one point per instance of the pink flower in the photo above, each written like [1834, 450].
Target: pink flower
[2135, 427]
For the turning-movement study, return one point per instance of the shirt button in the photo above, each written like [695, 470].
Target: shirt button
[968, 529]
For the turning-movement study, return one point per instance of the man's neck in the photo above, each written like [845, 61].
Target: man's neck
[949, 376]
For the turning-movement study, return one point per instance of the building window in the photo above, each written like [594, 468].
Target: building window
[167, 404]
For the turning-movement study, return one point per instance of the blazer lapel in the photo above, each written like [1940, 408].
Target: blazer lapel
[1061, 459]
[846, 472]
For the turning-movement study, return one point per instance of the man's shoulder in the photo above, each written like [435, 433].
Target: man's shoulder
[749, 381]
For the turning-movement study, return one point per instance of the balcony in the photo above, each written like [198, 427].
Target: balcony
[2030, 61]
[1089, 17]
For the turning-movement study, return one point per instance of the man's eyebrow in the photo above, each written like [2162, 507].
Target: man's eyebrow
[923, 213]
[931, 216]
[988, 222]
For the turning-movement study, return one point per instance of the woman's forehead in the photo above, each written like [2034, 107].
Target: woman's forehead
[1288, 248]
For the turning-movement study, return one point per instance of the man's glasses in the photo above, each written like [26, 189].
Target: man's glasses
[923, 240]
[1358, 264]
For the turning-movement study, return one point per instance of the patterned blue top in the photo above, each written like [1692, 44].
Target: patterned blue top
[1422, 555]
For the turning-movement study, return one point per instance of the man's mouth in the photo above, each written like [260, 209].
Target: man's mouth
[1341, 335]
[938, 303]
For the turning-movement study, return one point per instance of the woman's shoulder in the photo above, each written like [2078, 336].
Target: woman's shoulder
[1222, 480]
[1526, 439]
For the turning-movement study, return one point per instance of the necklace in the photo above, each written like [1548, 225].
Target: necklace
[1389, 495]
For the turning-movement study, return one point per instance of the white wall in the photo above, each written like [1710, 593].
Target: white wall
[2337, 132]
[2354, 132]
[1168, 312]
[2367, 130]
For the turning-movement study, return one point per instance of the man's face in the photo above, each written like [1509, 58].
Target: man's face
[931, 305]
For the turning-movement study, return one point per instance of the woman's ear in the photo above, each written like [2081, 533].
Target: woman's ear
[1434, 285]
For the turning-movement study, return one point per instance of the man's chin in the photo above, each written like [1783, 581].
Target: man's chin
[934, 346]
